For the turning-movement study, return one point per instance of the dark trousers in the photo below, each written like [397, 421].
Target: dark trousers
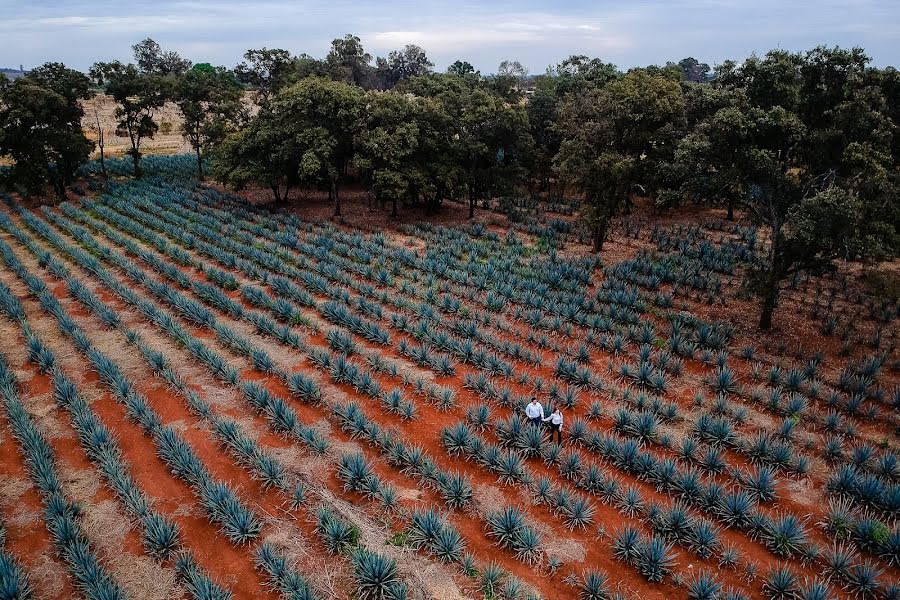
[536, 421]
[558, 430]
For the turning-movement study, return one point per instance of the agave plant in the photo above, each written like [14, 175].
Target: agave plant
[504, 525]
[781, 583]
[704, 586]
[654, 558]
[282, 576]
[198, 583]
[338, 535]
[594, 585]
[862, 580]
[376, 575]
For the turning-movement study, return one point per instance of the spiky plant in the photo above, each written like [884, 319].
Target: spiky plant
[337, 534]
[479, 416]
[862, 580]
[594, 585]
[527, 545]
[14, 581]
[457, 439]
[579, 513]
[813, 589]
[654, 558]
[704, 586]
[490, 579]
[456, 490]
[703, 538]
[780, 583]
[530, 441]
[376, 576]
[504, 525]
[786, 535]
[198, 584]
[281, 575]
[728, 557]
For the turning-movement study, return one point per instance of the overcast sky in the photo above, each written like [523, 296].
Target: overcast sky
[537, 33]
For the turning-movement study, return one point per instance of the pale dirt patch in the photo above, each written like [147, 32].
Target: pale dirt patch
[487, 498]
[12, 489]
[106, 526]
[49, 575]
[568, 550]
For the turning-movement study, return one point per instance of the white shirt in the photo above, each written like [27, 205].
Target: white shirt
[534, 410]
[555, 418]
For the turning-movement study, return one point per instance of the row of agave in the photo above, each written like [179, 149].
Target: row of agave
[267, 556]
[61, 515]
[358, 476]
[220, 502]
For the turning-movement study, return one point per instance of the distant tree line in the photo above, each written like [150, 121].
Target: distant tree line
[806, 144]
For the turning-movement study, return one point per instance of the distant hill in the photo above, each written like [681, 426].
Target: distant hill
[11, 73]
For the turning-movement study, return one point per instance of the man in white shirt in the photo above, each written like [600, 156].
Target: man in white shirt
[534, 411]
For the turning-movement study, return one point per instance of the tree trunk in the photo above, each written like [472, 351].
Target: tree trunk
[599, 236]
[730, 216]
[199, 165]
[101, 144]
[772, 280]
[337, 199]
[136, 159]
[770, 300]
[394, 209]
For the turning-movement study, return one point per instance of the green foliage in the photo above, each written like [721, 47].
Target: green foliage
[40, 127]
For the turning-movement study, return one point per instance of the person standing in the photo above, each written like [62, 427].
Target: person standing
[535, 412]
[556, 422]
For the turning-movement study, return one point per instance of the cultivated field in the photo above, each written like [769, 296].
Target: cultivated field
[201, 397]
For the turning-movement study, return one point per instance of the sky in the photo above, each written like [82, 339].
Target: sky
[537, 33]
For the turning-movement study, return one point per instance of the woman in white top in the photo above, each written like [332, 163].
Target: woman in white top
[556, 421]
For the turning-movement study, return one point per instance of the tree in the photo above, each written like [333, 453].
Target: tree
[151, 59]
[712, 160]
[611, 137]
[694, 70]
[543, 113]
[138, 95]
[347, 55]
[403, 64]
[95, 124]
[491, 139]
[812, 140]
[210, 102]
[405, 150]
[40, 117]
[387, 145]
[266, 70]
[304, 135]
[461, 68]
[579, 72]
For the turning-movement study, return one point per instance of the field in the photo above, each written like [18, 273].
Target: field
[201, 397]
